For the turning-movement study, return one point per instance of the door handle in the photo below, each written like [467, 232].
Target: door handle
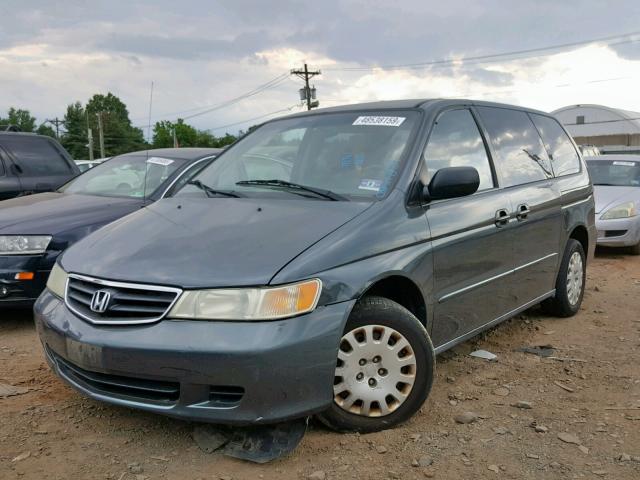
[522, 212]
[502, 217]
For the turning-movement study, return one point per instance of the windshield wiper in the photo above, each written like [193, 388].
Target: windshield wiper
[328, 194]
[211, 191]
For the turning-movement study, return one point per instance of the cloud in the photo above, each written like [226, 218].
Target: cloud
[200, 53]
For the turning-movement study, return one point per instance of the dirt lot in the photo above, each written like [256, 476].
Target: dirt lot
[589, 394]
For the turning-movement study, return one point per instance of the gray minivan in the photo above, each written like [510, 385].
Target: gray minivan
[320, 264]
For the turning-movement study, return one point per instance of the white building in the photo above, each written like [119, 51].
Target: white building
[611, 129]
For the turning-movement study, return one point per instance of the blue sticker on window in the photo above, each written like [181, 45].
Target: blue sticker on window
[346, 161]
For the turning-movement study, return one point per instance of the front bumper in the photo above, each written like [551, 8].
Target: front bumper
[621, 232]
[267, 371]
[23, 293]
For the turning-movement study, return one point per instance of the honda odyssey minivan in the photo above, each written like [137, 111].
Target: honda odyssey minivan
[321, 263]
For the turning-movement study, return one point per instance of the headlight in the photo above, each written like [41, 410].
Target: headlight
[248, 303]
[624, 210]
[57, 281]
[23, 244]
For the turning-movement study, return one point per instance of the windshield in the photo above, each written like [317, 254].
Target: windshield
[619, 173]
[134, 176]
[335, 156]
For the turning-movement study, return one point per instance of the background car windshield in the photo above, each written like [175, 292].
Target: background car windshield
[351, 154]
[621, 173]
[134, 176]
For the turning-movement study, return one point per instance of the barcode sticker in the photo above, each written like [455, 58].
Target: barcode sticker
[380, 121]
[160, 161]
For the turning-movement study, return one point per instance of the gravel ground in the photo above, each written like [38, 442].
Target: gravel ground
[573, 416]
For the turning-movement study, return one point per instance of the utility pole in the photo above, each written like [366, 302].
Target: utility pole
[307, 94]
[101, 134]
[175, 139]
[90, 136]
[57, 123]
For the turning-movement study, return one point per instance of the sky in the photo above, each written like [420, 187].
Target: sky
[200, 54]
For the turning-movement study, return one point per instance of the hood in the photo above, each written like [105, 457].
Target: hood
[208, 242]
[607, 196]
[52, 213]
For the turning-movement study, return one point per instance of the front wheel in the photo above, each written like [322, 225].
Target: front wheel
[384, 370]
[569, 283]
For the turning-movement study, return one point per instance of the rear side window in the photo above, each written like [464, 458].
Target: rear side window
[36, 155]
[564, 157]
[521, 156]
[456, 142]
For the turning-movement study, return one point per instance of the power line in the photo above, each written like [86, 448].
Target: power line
[254, 118]
[278, 80]
[274, 82]
[609, 40]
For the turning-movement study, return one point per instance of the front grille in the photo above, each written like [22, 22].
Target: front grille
[134, 388]
[614, 233]
[127, 303]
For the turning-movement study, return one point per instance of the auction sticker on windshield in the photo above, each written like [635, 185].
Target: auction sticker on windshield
[160, 161]
[380, 121]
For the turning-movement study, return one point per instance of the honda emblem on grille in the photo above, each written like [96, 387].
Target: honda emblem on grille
[100, 301]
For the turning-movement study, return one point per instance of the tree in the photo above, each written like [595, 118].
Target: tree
[228, 139]
[186, 135]
[75, 139]
[119, 135]
[47, 130]
[20, 118]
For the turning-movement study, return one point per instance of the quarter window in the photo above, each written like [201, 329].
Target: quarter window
[564, 157]
[36, 155]
[521, 157]
[456, 142]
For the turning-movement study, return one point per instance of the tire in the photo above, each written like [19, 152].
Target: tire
[565, 303]
[412, 361]
[635, 249]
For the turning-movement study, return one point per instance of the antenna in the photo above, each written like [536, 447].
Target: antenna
[149, 122]
[146, 163]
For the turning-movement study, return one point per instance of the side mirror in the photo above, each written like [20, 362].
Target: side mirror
[452, 182]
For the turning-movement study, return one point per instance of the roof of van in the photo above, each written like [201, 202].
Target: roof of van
[422, 103]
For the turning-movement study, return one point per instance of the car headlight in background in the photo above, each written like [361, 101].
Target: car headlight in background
[624, 210]
[248, 303]
[57, 282]
[24, 244]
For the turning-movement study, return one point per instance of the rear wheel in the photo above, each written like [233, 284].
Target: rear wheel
[569, 283]
[384, 370]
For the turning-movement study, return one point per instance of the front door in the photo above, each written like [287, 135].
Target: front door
[472, 237]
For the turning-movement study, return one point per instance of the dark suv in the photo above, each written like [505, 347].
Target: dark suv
[321, 263]
[31, 163]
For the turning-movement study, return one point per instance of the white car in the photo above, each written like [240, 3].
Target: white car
[616, 188]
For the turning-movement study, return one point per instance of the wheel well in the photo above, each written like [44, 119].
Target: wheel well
[403, 291]
[580, 234]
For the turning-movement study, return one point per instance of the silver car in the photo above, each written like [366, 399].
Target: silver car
[616, 187]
